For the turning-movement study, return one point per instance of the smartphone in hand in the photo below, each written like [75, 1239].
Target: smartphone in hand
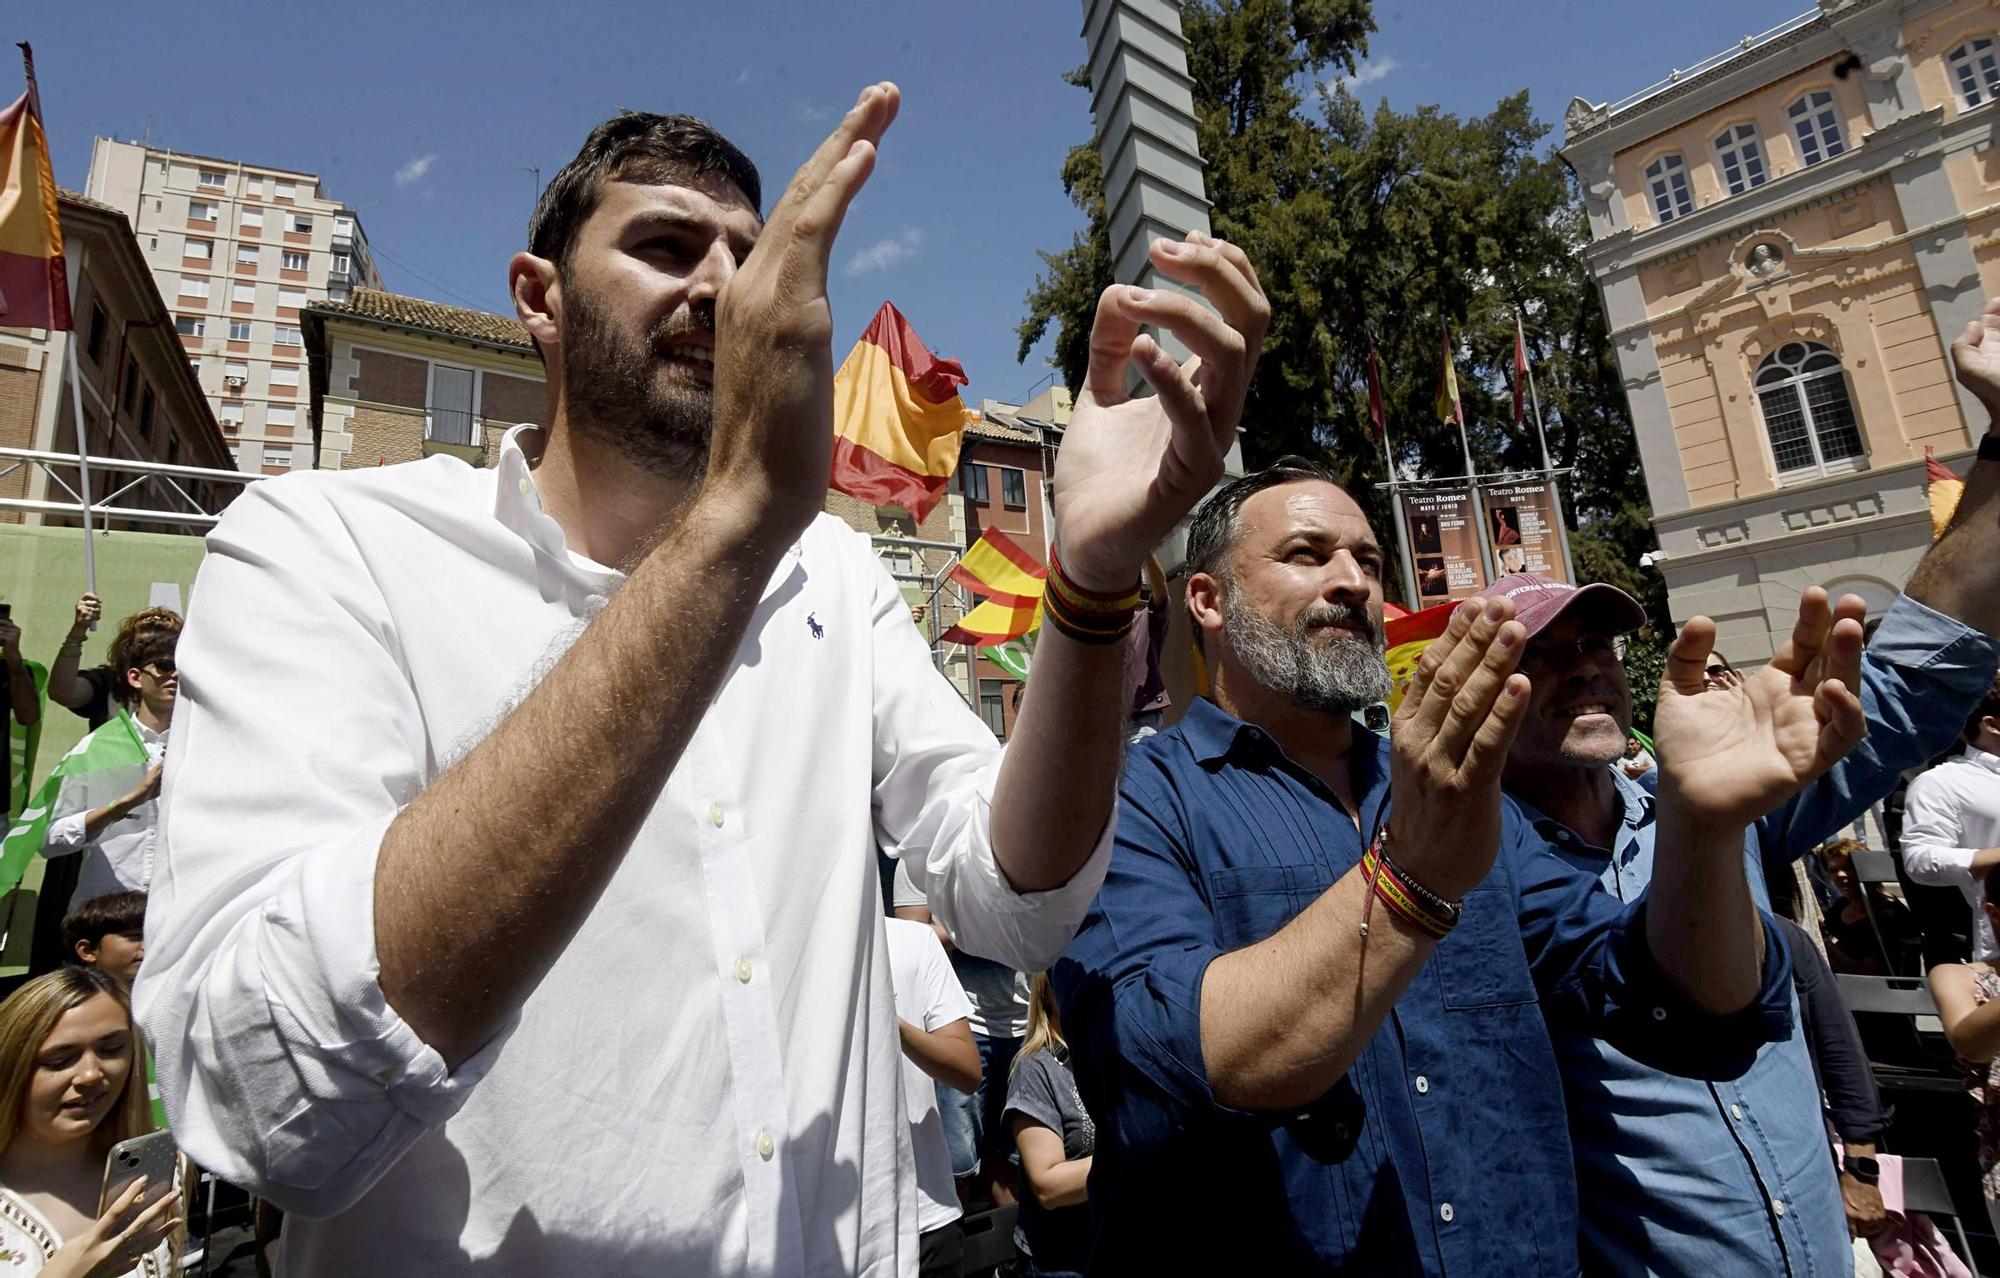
[151, 1156]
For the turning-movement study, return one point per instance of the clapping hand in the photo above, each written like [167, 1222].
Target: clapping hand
[1732, 753]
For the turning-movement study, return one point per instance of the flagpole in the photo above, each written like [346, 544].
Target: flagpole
[82, 450]
[1534, 399]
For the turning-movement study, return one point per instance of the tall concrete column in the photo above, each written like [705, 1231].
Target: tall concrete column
[1143, 101]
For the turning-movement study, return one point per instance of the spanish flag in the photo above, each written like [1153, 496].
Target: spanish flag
[34, 289]
[1945, 488]
[995, 622]
[897, 417]
[996, 566]
[1405, 638]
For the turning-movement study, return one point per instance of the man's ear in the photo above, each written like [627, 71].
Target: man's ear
[1204, 604]
[86, 951]
[536, 287]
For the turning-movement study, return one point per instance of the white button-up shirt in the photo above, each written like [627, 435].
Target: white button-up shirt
[121, 858]
[1950, 814]
[707, 1081]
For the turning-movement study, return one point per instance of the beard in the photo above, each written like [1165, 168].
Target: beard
[615, 395]
[1338, 677]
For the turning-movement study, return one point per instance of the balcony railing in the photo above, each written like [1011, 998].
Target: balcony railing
[452, 426]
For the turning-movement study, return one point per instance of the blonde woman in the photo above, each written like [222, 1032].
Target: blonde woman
[72, 1073]
[1056, 1139]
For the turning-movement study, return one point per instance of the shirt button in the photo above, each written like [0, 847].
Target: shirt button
[765, 1145]
[715, 815]
[527, 486]
[1445, 1213]
[1777, 1208]
[1659, 1013]
[1423, 1085]
[1736, 1112]
[743, 970]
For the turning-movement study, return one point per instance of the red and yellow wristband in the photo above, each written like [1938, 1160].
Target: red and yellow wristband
[1403, 896]
[1089, 616]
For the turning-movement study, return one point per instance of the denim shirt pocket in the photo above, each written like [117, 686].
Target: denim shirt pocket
[1481, 962]
[1251, 902]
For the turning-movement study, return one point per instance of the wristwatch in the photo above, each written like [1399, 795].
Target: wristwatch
[1862, 1168]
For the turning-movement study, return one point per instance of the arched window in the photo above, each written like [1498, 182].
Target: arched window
[1807, 413]
[1667, 179]
[1741, 157]
[1975, 71]
[1816, 123]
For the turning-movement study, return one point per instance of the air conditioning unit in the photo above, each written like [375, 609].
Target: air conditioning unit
[235, 383]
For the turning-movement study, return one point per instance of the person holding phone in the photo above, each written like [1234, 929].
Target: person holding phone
[71, 1065]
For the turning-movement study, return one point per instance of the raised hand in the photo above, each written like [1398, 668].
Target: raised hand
[88, 610]
[113, 1244]
[1730, 754]
[773, 437]
[1976, 355]
[1131, 468]
[1448, 743]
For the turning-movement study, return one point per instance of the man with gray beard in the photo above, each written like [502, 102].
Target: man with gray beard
[1324, 1018]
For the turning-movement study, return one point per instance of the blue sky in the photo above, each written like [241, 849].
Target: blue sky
[425, 118]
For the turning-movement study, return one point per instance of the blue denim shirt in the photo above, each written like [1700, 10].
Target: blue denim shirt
[1444, 1149]
[1736, 1176]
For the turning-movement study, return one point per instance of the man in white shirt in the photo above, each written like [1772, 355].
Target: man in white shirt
[1951, 821]
[932, 1016]
[517, 906]
[111, 816]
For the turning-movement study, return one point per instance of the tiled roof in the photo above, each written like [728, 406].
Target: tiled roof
[432, 317]
[67, 196]
[1001, 426]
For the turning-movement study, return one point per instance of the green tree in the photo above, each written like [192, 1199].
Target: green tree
[1386, 226]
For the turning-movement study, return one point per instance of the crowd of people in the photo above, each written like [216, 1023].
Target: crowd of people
[480, 931]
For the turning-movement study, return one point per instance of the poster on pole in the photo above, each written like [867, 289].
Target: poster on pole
[1441, 537]
[1524, 525]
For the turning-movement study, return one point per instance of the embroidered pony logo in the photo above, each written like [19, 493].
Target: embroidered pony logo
[812, 624]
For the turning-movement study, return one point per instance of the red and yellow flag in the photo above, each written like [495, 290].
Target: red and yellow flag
[34, 289]
[897, 417]
[1404, 640]
[1945, 488]
[996, 566]
[995, 621]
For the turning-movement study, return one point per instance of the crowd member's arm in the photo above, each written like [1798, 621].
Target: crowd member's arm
[1129, 470]
[1274, 1024]
[78, 829]
[940, 1042]
[1728, 756]
[1840, 1062]
[66, 686]
[1054, 1180]
[337, 950]
[1960, 575]
[1934, 847]
[21, 694]
[1972, 1027]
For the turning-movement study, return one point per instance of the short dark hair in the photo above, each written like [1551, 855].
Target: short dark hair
[634, 146]
[1988, 705]
[1213, 530]
[144, 637]
[114, 914]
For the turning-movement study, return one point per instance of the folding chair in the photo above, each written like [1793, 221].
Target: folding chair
[989, 1241]
[1904, 996]
[1924, 1190]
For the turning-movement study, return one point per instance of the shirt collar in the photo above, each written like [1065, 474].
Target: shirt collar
[1979, 758]
[1213, 734]
[1635, 808]
[517, 504]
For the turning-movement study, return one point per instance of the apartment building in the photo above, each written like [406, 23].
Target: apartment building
[239, 252]
[1787, 237]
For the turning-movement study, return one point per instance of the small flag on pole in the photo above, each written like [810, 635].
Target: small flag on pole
[1449, 409]
[34, 287]
[897, 418]
[996, 566]
[1378, 417]
[1404, 639]
[1520, 373]
[994, 622]
[1945, 488]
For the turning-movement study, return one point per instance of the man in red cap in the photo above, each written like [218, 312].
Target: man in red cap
[1732, 1175]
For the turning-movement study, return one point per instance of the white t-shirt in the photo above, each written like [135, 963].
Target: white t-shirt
[1000, 994]
[929, 997]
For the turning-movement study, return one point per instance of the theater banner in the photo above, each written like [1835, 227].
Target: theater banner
[1441, 536]
[1524, 526]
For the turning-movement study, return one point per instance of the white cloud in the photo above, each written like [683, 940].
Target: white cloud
[1370, 72]
[816, 114]
[743, 76]
[883, 254]
[414, 171]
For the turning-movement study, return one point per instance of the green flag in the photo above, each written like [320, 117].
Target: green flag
[22, 738]
[113, 748]
[1012, 656]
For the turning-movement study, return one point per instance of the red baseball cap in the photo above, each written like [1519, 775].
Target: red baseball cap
[1539, 602]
